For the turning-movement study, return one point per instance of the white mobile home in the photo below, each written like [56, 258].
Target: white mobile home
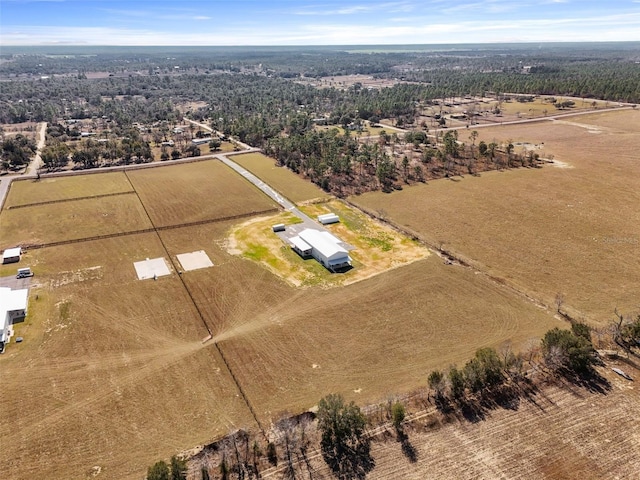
[201, 141]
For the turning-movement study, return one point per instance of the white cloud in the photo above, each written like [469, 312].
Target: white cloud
[417, 29]
[319, 10]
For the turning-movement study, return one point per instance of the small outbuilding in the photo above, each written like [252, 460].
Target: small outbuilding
[11, 255]
[328, 218]
[200, 141]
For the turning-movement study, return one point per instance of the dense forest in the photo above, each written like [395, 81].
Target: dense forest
[263, 97]
[247, 88]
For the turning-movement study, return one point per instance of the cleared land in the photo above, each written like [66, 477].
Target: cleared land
[574, 231]
[56, 222]
[371, 339]
[112, 373]
[27, 192]
[281, 179]
[199, 191]
[119, 363]
[564, 435]
[378, 248]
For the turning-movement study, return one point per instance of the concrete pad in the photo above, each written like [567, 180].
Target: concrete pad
[156, 267]
[194, 260]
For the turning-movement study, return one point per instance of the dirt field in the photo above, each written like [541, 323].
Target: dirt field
[289, 346]
[122, 378]
[28, 192]
[282, 179]
[179, 194]
[112, 372]
[565, 435]
[74, 219]
[572, 230]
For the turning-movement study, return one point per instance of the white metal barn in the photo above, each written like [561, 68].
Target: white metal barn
[322, 246]
[13, 306]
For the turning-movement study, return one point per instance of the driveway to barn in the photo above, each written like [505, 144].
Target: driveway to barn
[291, 230]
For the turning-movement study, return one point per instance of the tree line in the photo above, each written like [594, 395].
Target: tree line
[342, 432]
[344, 163]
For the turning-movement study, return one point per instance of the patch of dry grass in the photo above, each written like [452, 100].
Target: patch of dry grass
[574, 231]
[281, 179]
[26, 192]
[192, 192]
[121, 375]
[71, 220]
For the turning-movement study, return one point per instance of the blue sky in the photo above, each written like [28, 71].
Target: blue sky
[309, 22]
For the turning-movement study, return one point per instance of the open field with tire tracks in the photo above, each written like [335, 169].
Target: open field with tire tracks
[113, 372]
[571, 228]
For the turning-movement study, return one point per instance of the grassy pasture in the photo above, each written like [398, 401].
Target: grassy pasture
[71, 220]
[197, 191]
[121, 375]
[281, 179]
[574, 231]
[26, 192]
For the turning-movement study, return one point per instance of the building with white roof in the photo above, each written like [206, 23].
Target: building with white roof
[11, 255]
[322, 246]
[13, 306]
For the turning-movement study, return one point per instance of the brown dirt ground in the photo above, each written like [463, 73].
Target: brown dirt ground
[553, 230]
[112, 372]
[289, 347]
[179, 194]
[568, 433]
[26, 192]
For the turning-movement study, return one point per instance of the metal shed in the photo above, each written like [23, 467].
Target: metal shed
[11, 255]
[328, 218]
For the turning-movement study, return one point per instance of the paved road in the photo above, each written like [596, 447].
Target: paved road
[282, 201]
